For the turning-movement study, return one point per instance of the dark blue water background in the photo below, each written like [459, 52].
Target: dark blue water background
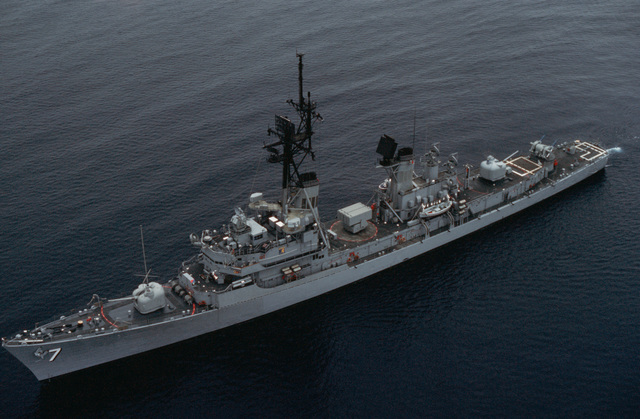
[115, 114]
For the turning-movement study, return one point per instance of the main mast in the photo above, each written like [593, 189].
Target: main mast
[294, 143]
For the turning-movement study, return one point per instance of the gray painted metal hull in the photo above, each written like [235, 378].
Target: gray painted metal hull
[247, 303]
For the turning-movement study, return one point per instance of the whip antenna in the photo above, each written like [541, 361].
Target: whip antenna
[144, 257]
[413, 146]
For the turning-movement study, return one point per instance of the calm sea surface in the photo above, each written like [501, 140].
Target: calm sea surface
[120, 113]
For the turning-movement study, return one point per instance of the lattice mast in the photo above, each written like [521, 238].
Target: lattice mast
[294, 143]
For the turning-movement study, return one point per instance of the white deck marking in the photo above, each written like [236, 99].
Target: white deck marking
[525, 172]
[590, 151]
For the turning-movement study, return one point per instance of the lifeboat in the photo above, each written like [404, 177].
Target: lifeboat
[437, 208]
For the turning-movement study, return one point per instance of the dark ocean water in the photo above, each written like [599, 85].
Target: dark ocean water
[120, 113]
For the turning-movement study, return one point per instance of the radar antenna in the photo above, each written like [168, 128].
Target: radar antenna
[435, 150]
[452, 163]
[432, 155]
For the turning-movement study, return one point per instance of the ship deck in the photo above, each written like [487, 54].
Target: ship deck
[346, 240]
[522, 167]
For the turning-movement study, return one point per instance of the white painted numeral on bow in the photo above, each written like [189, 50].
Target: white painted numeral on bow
[54, 353]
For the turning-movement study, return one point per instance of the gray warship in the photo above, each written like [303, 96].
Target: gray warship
[278, 252]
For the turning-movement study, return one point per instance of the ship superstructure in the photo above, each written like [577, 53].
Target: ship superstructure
[275, 253]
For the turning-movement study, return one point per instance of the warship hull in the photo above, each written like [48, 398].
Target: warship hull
[48, 359]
